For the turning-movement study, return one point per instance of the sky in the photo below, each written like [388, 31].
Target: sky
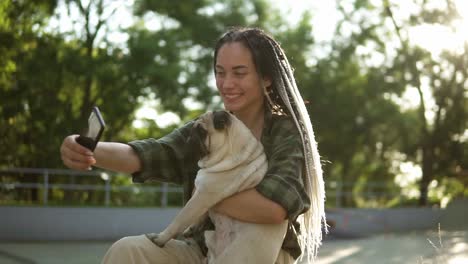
[324, 15]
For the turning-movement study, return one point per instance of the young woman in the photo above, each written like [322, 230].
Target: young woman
[256, 84]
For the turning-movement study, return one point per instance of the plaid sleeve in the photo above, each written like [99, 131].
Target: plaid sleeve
[283, 182]
[164, 159]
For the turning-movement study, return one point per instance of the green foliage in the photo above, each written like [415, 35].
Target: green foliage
[433, 144]
[445, 190]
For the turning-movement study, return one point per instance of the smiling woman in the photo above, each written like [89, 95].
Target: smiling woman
[257, 85]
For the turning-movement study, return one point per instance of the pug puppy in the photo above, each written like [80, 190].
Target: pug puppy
[232, 160]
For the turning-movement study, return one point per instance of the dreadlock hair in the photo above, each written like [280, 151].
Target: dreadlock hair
[283, 97]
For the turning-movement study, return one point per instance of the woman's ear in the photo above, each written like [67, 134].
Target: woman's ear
[266, 82]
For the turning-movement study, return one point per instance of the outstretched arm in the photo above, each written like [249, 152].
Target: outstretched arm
[107, 155]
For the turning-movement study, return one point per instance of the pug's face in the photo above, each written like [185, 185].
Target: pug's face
[210, 132]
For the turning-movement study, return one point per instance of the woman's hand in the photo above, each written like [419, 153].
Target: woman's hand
[76, 156]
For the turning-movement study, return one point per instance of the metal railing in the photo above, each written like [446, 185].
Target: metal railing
[336, 190]
[45, 184]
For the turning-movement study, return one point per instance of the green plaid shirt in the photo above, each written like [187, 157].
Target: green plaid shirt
[169, 159]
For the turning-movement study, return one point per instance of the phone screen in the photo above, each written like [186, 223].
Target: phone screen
[93, 131]
[94, 126]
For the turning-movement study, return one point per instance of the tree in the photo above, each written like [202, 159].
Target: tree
[440, 149]
[364, 141]
[350, 112]
[19, 124]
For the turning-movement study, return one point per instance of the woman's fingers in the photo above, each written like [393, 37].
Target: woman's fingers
[76, 156]
[76, 165]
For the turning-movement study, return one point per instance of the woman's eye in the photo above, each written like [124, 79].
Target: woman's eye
[240, 73]
[220, 74]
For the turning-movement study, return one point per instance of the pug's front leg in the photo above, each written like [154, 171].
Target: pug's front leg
[160, 239]
[191, 213]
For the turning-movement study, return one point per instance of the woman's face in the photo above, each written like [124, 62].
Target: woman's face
[237, 80]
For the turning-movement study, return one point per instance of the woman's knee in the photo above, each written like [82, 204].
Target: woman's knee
[130, 243]
[139, 249]
[122, 251]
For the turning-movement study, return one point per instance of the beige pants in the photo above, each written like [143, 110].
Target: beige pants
[140, 250]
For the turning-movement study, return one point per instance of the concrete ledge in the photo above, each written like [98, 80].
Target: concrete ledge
[456, 216]
[65, 223]
[57, 223]
[363, 222]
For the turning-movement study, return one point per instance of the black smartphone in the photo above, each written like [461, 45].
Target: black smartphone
[93, 132]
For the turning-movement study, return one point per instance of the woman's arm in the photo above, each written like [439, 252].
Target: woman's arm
[251, 206]
[117, 157]
[107, 155]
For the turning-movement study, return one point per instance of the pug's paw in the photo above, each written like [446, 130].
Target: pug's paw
[158, 239]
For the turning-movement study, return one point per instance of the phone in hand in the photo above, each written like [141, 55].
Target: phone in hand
[93, 132]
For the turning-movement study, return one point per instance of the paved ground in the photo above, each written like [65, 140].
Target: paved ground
[52, 252]
[411, 247]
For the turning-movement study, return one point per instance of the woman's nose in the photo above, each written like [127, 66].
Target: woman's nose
[228, 82]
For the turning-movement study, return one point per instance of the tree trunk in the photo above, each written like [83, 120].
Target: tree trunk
[427, 175]
[346, 198]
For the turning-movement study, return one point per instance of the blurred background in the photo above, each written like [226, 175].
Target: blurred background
[386, 86]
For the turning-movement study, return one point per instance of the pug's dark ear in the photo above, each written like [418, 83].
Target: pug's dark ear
[221, 119]
[196, 141]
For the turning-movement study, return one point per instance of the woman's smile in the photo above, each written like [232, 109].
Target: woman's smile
[232, 96]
